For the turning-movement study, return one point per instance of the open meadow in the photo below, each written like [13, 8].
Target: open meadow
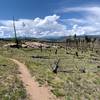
[77, 78]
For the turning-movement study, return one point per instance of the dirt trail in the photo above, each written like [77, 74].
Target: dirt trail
[32, 87]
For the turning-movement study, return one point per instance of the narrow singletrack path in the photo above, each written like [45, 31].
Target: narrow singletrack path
[32, 87]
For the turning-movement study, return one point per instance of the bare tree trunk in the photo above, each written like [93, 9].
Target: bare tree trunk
[16, 40]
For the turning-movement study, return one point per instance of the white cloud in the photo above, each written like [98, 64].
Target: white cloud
[74, 20]
[88, 23]
[93, 9]
[49, 26]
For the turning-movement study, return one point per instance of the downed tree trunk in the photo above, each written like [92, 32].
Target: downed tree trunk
[55, 67]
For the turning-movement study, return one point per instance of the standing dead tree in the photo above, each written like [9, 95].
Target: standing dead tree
[56, 51]
[41, 48]
[93, 43]
[16, 39]
[88, 41]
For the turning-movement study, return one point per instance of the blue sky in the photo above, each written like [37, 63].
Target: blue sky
[38, 8]
[27, 8]
[50, 17]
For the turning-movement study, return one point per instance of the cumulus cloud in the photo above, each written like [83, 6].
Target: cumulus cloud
[49, 26]
[88, 23]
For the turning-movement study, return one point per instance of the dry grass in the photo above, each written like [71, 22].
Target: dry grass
[11, 88]
[67, 86]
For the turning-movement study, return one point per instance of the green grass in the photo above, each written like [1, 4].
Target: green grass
[67, 86]
[11, 88]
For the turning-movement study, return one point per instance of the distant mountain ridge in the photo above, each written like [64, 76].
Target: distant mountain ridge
[61, 38]
[56, 38]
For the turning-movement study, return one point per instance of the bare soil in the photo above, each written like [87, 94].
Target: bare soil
[33, 89]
